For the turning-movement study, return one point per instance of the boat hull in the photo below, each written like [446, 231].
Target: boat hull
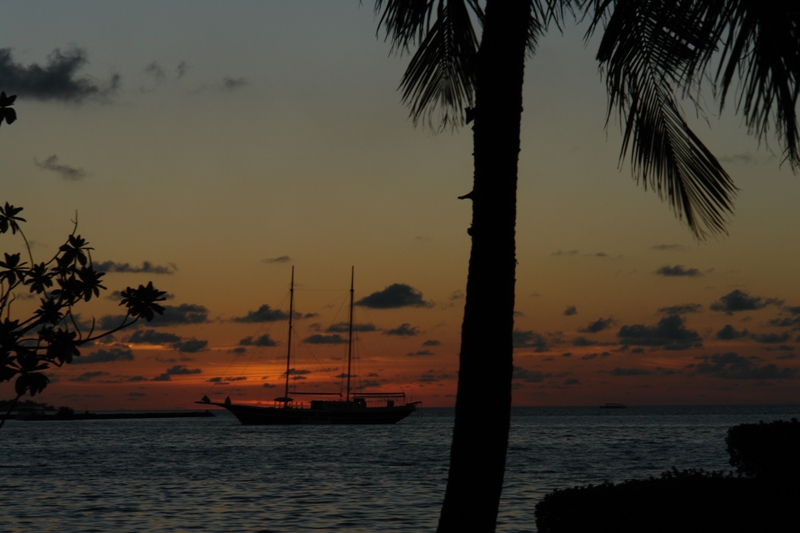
[285, 416]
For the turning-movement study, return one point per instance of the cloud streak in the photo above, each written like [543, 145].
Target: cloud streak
[105, 356]
[736, 301]
[126, 268]
[57, 80]
[393, 297]
[678, 271]
[65, 171]
[263, 314]
[670, 333]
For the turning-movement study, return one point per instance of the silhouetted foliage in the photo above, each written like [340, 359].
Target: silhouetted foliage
[688, 501]
[52, 335]
[7, 113]
[767, 451]
[763, 497]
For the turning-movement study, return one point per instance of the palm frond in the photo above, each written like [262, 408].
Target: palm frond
[405, 21]
[759, 54]
[761, 43]
[439, 81]
[650, 48]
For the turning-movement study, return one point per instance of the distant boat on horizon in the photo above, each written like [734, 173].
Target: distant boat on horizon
[361, 408]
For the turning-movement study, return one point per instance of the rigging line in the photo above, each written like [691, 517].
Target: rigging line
[305, 347]
[261, 325]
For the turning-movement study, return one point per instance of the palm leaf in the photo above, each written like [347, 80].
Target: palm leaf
[761, 43]
[439, 82]
[649, 50]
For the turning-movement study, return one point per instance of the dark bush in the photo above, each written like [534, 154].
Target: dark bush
[768, 451]
[685, 501]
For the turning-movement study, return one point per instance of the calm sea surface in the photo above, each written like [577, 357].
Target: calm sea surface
[219, 476]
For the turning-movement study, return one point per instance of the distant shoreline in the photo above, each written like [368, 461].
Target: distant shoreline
[111, 416]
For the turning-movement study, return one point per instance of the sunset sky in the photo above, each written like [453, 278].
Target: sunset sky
[210, 146]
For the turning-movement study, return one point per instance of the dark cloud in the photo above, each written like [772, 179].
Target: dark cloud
[146, 268]
[176, 315]
[57, 80]
[568, 252]
[681, 309]
[432, 377]
[743, 158]
[156, 71]
[110, 321]
[630, 372]
[785, 357]
[431, 342]
[105, 356]
[176, 342]
[421, 352]
[368, 384]
[225, 381]
[88, 376]
[394, 296]
[583, 341]
[263, 314]
[678, 271]
[325, 339]
[297, 372]
[530, 376]
[733, 366]
[190, 345]
[177, 370]
[598, 325]
[137, 394]
[268, 386]
[231, 84]
[529, 339]
[770, 338]
[571, 310]
[149, 336]
[669, 247]
[572, 381]
[182, 69]
[729, 333]
[65, 171]
[738, 300]
[786, 322]
[263, 340]
[792, 321]
[780, 347]
[281, 259]
[344, 327]
[238, 350]
[403, 330]
[670, 333]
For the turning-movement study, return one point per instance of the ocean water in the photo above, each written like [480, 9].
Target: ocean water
[215, 475]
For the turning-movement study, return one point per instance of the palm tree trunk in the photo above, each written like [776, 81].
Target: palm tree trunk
[483, 404]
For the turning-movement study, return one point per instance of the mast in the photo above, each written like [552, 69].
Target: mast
[289, 343]
[350, 334]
